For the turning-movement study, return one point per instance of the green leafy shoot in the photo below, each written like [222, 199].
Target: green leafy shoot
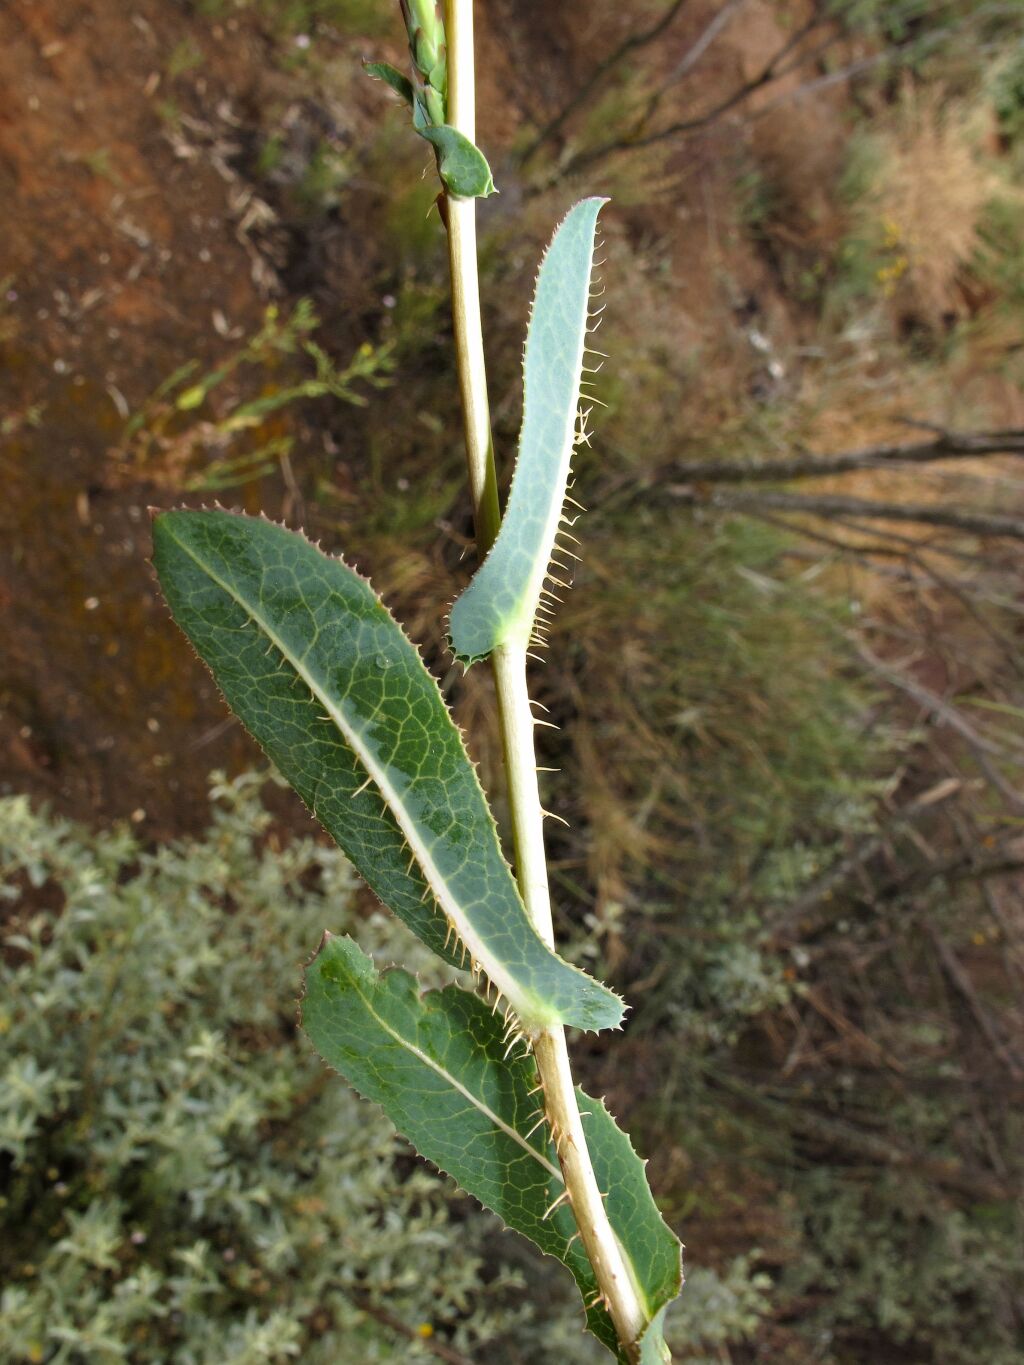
[440, 1066]
[507, 601]
[462, 167]
[218, 425]
[323, 677]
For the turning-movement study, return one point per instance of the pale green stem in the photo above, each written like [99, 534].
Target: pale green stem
[516, 720]
[460, 216]
[549, 1047]
[611, 1268]
[508, 663]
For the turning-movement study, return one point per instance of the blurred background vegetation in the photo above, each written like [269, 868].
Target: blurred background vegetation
[788, 680]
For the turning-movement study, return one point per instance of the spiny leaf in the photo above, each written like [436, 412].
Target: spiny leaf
[311, 661]
[437, 1064]
[502, 601]
[462, 166]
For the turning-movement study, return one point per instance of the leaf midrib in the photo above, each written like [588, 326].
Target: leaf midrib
[456, 1084]
[432, 874]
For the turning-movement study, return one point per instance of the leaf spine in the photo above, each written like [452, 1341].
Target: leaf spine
[557, 1203]
[543, 1119]
[517, 1038]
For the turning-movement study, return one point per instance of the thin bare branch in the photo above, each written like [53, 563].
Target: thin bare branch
[768, 73]
[793, 1113]
[598, 76]
[835, 505]
[792, 926]
[691, 57]
[945, 445]
[774, 70]
[439, 1349]
[961, 982]
[985, 750]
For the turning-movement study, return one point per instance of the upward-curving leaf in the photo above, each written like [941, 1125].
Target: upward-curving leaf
[312, 662]
[438, 1065]
[502, 602]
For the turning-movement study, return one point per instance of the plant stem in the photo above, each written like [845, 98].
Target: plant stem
[611, 1269]
[549, 1048]
[508, 663]
[460, 218]
[516, 720]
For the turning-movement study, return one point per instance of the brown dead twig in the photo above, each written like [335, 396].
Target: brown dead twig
[984, 750]
[802, 916]
[789, 57]
[907, 563]
[960, 981]
[943, 445]
[792, 1113]
[774, 69]
[837, 505]
[598, 76]
[792, 510]
[436, 1348]
[718, 484]
[640, 136]
[721, 485]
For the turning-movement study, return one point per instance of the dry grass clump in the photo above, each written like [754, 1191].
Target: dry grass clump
[933, 184]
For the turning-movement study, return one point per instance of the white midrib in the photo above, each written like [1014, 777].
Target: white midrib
[474, 1100]
[505, 983]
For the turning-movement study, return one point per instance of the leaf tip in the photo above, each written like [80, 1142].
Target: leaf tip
[325, 941]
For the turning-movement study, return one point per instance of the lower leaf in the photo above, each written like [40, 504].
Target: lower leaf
[437, 1065]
